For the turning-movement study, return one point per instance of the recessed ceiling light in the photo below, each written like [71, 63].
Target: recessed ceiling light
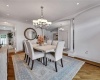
[5, 22]
[7, 5]
[78, 3]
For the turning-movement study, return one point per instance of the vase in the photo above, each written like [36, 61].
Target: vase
[40, 44]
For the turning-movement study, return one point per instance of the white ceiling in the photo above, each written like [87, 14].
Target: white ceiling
[59, 24]
[23, 10]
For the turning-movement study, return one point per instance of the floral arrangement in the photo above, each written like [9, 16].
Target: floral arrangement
[40, 40]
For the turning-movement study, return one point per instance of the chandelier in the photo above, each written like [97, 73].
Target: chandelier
[41, 23]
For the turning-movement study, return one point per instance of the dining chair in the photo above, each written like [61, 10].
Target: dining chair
[49, 42]
[55, 42]
[34, 41]
[33, 55]
[26, 51]
[57, 55]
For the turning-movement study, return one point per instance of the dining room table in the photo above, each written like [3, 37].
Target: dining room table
[45, 48]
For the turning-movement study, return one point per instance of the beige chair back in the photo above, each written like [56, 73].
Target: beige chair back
[26, 48]
[30, 49]
[59, 50]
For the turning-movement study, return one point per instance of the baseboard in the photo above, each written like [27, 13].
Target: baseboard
[89, 62]
[65, 54]
[20, 52]
[71, 53]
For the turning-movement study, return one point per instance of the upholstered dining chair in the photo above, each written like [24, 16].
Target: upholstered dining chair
[57, 55]
[49, 42]
[33, 55]
[55, 42]
[26, 51]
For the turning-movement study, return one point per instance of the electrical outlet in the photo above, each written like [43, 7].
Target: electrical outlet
[86, 52]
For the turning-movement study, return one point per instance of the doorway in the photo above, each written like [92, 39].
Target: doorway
[8, 36]
[63, 36]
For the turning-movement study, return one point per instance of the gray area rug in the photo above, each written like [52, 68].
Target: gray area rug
[41, 72]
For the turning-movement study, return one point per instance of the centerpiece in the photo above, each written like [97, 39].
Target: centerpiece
[40, 40]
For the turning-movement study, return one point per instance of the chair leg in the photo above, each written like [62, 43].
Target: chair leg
[56, 66]
[39, 59]
[29, 61]
[32, 64]
[46, 62]
[62, 62]
[25, 57]
[50, 60]
[43, 61]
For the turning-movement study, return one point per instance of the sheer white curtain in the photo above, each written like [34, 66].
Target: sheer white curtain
[3, 39]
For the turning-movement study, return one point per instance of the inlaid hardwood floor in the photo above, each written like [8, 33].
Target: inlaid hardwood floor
[87, 72]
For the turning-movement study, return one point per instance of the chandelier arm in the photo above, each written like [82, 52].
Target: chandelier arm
[41, 23]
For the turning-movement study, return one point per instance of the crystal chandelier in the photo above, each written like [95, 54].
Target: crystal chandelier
[41, 23]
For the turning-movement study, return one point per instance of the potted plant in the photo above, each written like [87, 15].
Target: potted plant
[10, 36]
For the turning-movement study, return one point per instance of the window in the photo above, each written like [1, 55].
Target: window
[3, 39]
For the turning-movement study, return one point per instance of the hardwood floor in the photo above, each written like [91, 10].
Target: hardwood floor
[87, 72]
[11, 75]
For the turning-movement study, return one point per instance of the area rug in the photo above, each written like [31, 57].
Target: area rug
[41, 72]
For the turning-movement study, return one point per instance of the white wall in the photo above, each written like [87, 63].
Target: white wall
[20, 34]
[49, 34]
[87, 35]
[20, 28]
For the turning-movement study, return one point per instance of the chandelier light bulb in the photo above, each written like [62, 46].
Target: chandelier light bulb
[41, 23]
